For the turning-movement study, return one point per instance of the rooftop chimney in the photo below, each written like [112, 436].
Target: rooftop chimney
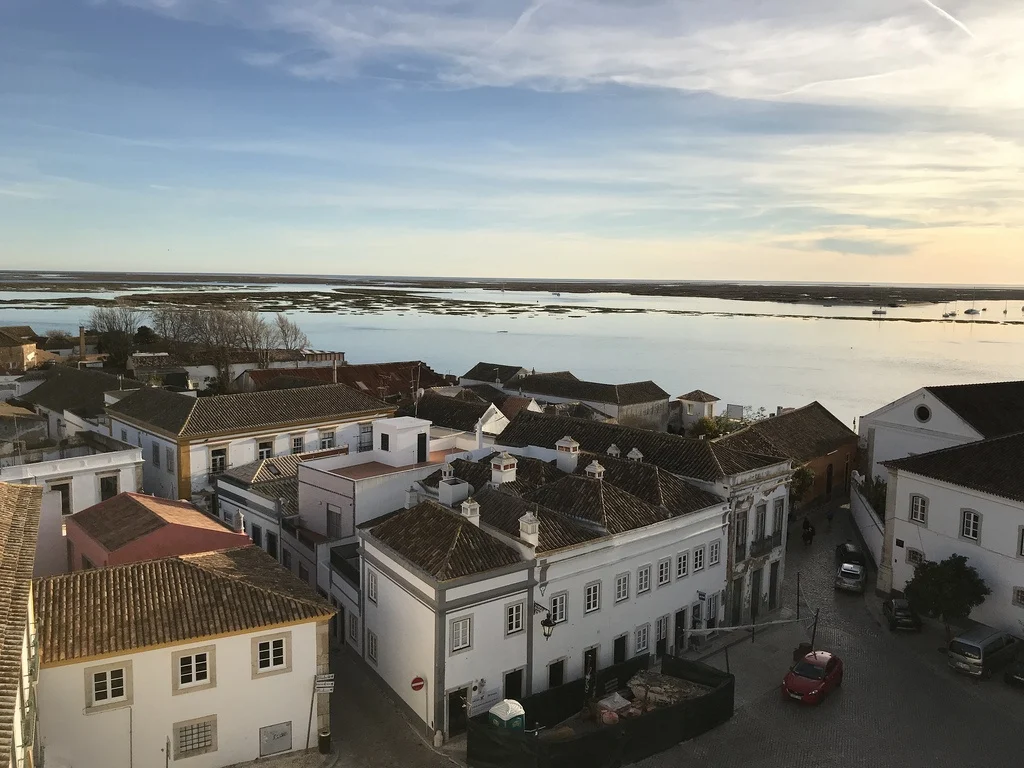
[635, 455]
[568, 454]
[503, 469]
[613, 451]
[412, 498]
[81, 341]
[529, 529]
[334, 370]
[239, 522]
[595, 470]
[471, 512]
[452, 491]
[447, 471]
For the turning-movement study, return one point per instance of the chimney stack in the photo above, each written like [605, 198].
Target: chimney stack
[529, 529]
[635, 455]
[471, 512]
[412, 498]
[81, 341]
[594, 470]
[503, 469]
[334, 370]
[613, 451]
[568, 454]
[239, 522]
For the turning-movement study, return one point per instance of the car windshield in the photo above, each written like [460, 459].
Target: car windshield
[965, 650]
[806, 669]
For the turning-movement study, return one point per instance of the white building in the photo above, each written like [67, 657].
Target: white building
[966, 500]
[694, 406]
[202, 374]
[217, 687]
[188, 441]
[454, 592]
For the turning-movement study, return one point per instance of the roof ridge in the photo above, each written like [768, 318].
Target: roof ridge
[451, 549]
[191, 411]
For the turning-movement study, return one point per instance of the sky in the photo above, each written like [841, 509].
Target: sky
[868, 140]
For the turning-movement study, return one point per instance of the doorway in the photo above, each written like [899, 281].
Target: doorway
[421, 447]
[619, 655]
[737, 602]
[773, 586]
[755, 593]
[828, 482]
[457, 711]
[514, 685]
[590, 661]
[556, 673]
[680, 632]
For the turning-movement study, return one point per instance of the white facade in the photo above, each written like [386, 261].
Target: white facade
[997, 552]
[155, 710]
[916, 423]
[260, 516]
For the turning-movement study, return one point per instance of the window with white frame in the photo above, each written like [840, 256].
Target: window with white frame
[714, 552]
[592, 597]
[271, 654]
[218, 460]
[462, 633]
[919, 509]
[513, 618]
[664, 571]
[365, 442]
[621, 587]
[195, 737]
[1018, 597]
[353, 626]
[682, 564]
[643, 579]
[108, 685]
[914, 556]
[124, 435]
[661, 628]
[298, 443]
[643, 638]
[970, 524]
[193, 668]
[698, 559]
[169, 460]
[558, 607]
[778, 515]
[371, 646]
[371, 585]
[326, 440]
[265, 449]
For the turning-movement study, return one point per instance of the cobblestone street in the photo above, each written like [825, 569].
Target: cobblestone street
[899, 705]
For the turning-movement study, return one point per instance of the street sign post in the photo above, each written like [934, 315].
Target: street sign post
[417, 683]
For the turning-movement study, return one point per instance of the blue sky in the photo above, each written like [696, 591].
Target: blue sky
[878, 140]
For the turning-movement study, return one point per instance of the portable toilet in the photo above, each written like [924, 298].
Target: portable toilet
[507, 713]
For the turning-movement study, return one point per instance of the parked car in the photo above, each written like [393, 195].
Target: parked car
[982, 651]
[900, 615]
[813, 677]
[1015, 672]
[852, 554]
[851, 578]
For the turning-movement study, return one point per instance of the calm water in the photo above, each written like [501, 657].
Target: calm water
[852, 366]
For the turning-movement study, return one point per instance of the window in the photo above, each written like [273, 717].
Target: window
[689, 409]
[298, 443]
[778, 515]
[195, 737]
[371, 646]
[365, 438]
[326, 440]
[108, 487]
[108, 686]
[664, 571]
[272, 544]
[760, 521]
[915, 556]
[643, 638]
[682, 564]
[462, 633]
[155, 448]
[265, 449]
[922, 413]
[303, 573]
[513, 618]
[257, 536]
[169, 460]
[919, 510]
[193, 668]
[385, 442]
[621, 587]
[333, 521]
[1018, 597]
[970, 524]
[741, 535]
[712, 610]
[353, 626]
[643, 579]
[272, 653]
[592, 597]
[64, 489]
[371, 585]
[698, 559]
[714, 552]
[124, 435]
[695, 616]
[218, 460]
[661, 629]
[558, 604]
[286, 559]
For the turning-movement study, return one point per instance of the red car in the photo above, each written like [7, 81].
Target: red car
[813, 677]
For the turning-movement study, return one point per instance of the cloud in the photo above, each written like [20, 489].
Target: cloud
[862, 247]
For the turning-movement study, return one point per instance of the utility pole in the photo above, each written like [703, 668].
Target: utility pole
[814, 631]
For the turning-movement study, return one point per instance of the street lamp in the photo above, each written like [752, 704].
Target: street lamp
[547, 626]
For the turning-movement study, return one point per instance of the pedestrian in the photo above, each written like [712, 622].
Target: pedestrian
[829, 514]
[807, 524]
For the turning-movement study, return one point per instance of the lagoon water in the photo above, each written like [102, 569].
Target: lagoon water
[743, 352]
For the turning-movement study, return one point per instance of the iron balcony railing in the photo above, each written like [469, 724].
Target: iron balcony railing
[765, 544]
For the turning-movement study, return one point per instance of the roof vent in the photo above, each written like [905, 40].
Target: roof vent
[529, 529]
[595, 470]
[635, 455]
[447, 471]
[613, 451]
[471, 511]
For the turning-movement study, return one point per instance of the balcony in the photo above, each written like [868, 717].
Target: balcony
[765, 544]
[345, 562]
[741, 552]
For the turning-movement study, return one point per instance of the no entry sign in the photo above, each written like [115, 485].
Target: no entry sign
[417, 683]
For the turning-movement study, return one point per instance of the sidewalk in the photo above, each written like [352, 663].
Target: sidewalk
[306, 759]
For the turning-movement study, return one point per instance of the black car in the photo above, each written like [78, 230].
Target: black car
[852, 554]
[900, 615]
[1015, 672]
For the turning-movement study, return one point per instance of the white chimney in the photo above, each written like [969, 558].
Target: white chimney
[568, 454]
[529, 529]
[471, 512]
[635, 455]
[447, 471]
[594, 470]
[452, 491]
[613, 451]
[503, 469]
[412, 498]
[239, 522]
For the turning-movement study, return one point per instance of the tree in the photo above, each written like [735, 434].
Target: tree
[949, 589]
[802, 482]
[60, 337]
[715, 426]
[116, 325]
[289, 335]
[145, 335]
[750, 414]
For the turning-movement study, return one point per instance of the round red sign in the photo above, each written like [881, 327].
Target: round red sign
[417, 683]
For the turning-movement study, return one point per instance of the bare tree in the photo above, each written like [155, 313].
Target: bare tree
[116, 324]
[289, 335]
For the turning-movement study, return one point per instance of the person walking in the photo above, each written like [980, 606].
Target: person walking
[829, 514]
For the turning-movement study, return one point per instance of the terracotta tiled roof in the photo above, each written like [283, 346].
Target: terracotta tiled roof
[23, 332]
[651, 484]
[77, 390]
[990, 466]
[19, 528]
[530, 474]
[276, 467]
[384, 380]
[441, 542]
[993, 409]
[686, 457]
[698, 396]
[9, 340]
[126, 517]
[801, 434]
[490, 372]
[123, 608]
[502, 511]
[192, 416]
[556, 385]
[447, 412]
[598, 503]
